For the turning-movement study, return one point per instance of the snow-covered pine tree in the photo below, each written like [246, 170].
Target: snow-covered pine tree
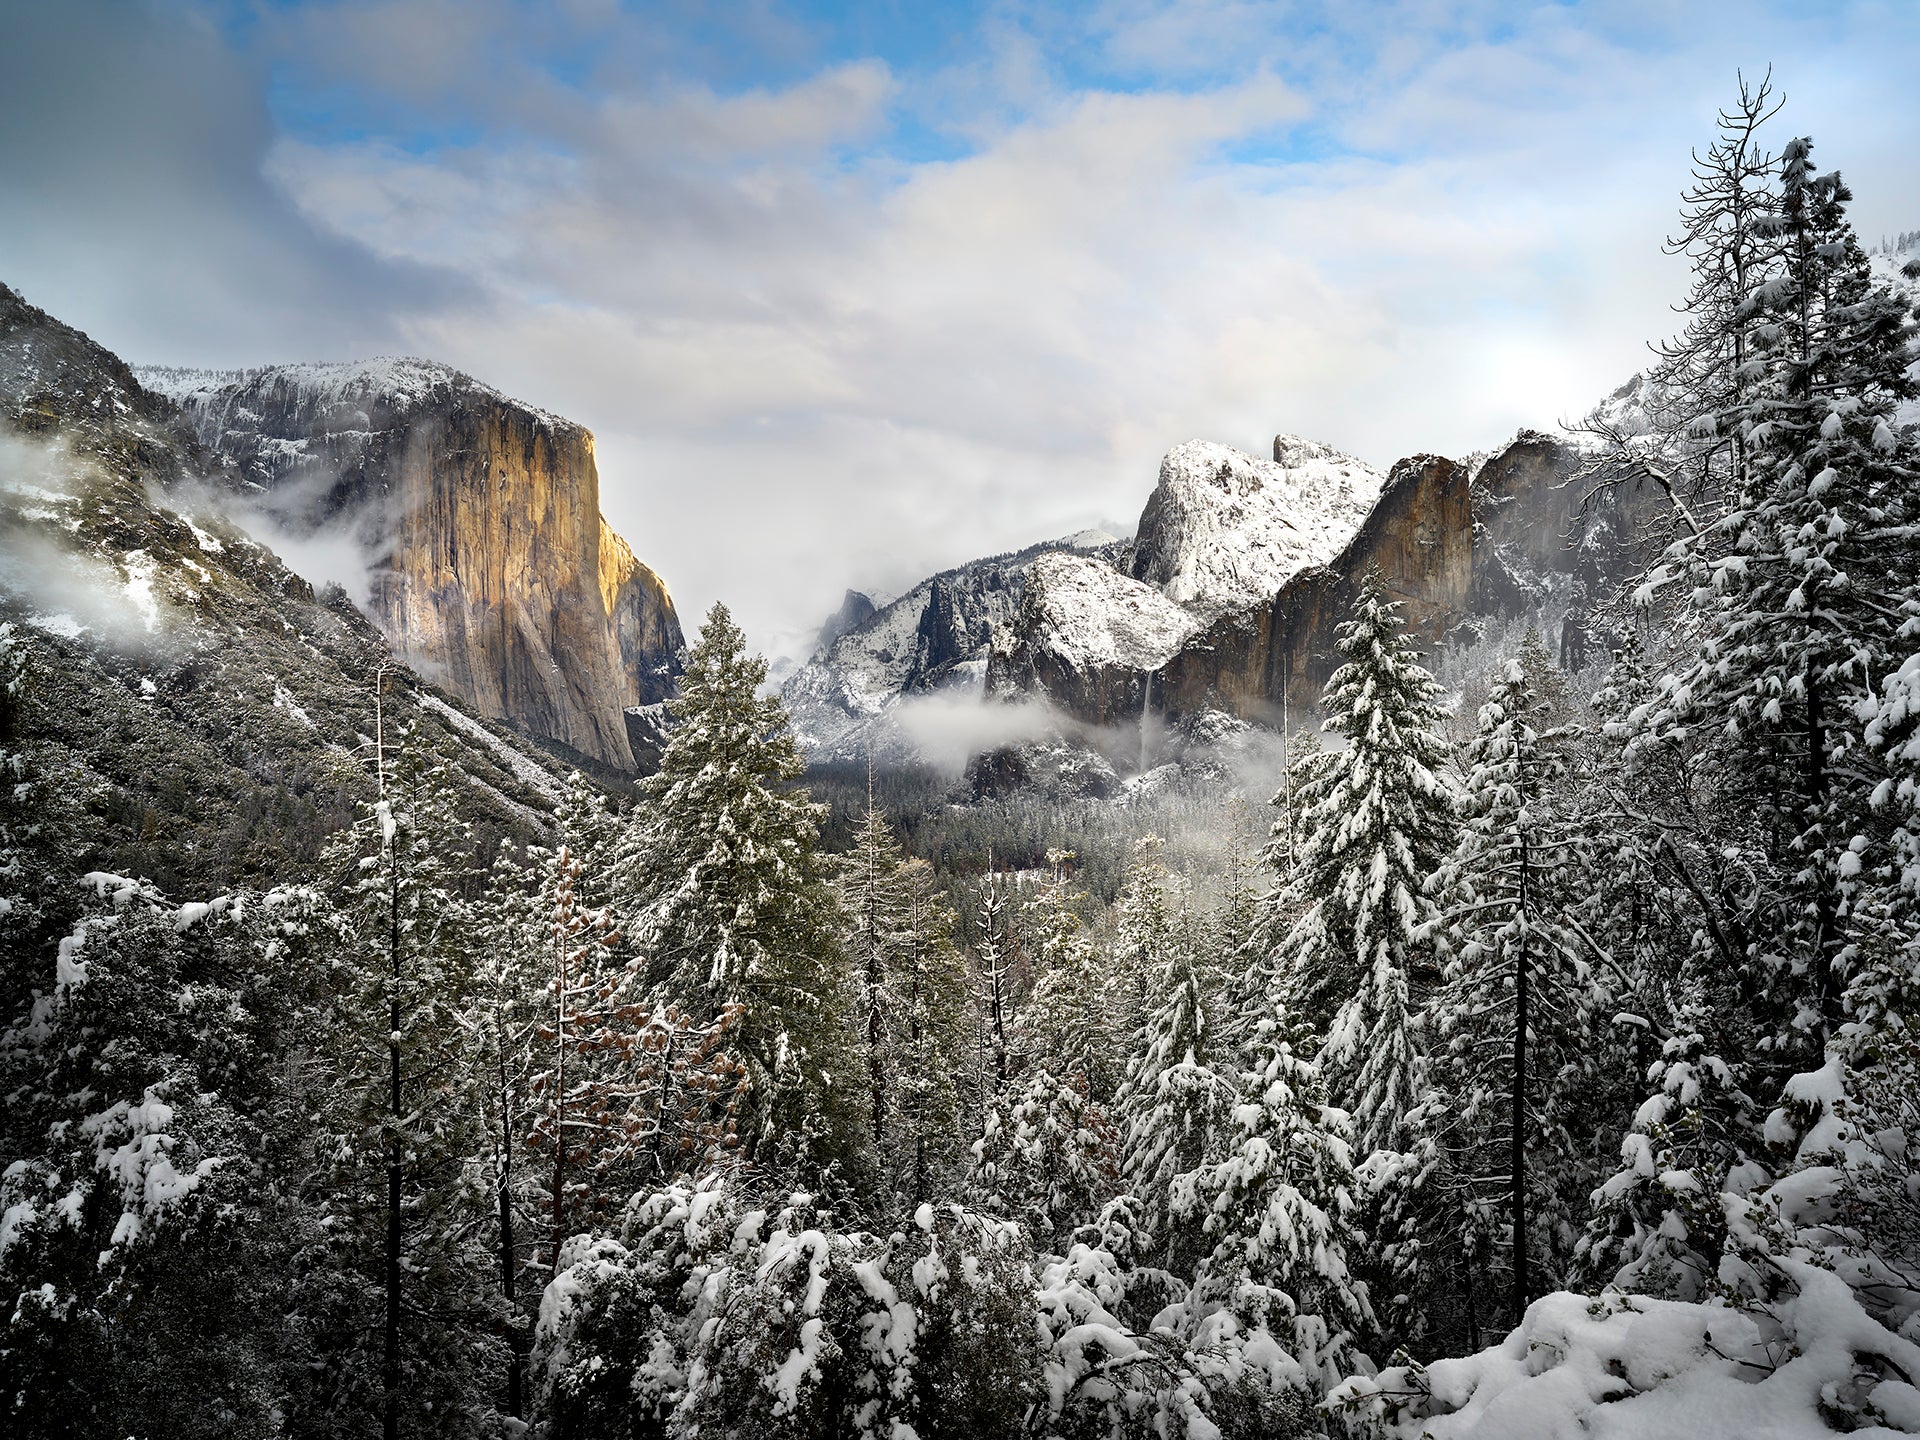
[503, 1018]
[1143, 928]
[1047, 1157]
[1696, 397]
[1518, 1010]
[156, 1138]
[869, 890]
[1278, 1207]
[995, 950]
[1792, 631]
[730, 907]
[585, 1097]
[933, 1013]
[914, 1006]
[409, 1195]
[1066, 1026]
[1376, 818]
[1238, 931]
[1180, 1086]
[1659, 1224]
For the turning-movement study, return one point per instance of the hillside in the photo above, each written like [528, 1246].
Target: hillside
[206, 708]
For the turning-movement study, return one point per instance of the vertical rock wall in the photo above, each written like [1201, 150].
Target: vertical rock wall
[491, 570]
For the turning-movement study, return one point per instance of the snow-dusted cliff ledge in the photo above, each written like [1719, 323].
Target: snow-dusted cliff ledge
[1224, 530]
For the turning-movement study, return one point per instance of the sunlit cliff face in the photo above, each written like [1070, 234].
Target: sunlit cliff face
[492, 571]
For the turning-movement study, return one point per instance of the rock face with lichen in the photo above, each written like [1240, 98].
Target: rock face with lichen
[487, 562]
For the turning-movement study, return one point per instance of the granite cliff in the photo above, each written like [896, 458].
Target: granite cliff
[1517, 537]
[489, 567]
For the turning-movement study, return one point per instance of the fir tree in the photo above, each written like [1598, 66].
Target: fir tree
[1376, 819]
[1067, 1024]
[730, 905]
[1179, 1087]
[933, 1035]
[1279, 1207]
[913, 999]
[995, 954]
[407, 1180]
[1516, 1006]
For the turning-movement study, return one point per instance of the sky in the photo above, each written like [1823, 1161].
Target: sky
[851, 293]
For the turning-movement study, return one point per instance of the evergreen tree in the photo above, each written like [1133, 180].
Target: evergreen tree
[914, 1001]
[1517, 1006]
[932, 1011]
[1067, 1024]
[730, 906]
[1179, 1087]
[153, 1141]
[1279, 1207]
[1376, 819]
[1047, 1157]
[995, 952]
[407, 1184]
[1697, 395]
[869, 887]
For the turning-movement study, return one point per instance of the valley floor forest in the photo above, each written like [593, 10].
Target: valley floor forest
[1536, 1064]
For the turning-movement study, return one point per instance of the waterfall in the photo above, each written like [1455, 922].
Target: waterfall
[1146, 709]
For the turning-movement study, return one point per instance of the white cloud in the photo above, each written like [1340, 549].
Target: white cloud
[813, 360]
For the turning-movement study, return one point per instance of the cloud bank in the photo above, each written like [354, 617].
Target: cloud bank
[846, 299]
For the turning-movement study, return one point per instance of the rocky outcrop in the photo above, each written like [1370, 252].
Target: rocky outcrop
[1090, 638]
[1419, 536]
[207, 707]
[490, 568]
[934, 638]
[1222, 530]
[855, 610]
[1520, 537]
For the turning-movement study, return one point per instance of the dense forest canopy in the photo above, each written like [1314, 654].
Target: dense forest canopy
[1538, 1060]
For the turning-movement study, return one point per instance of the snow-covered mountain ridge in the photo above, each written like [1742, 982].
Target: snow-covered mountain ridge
[932, 639]
[1221, 530]
[344, 395]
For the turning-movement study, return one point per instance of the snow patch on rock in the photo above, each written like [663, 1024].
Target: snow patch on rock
[1088, 613]
[1224, 530]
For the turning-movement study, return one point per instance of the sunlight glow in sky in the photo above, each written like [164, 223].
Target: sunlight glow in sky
[852, 292]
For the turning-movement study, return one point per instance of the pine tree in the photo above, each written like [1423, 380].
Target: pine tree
[869, 887]
[932, 1012]
[1376, 819]
[1279, 1207]
[1179, 1087]
[1517, 1004]
[1047, 1157]
[1143, 932]
[407, 1181]
[913, 999]
[995, 954]
[1698, 393]
[730, 906]
[1067, 1024]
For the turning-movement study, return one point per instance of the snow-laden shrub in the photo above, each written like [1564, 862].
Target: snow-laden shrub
[715, 1317]
[1806, 1323]
[718, 1319]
